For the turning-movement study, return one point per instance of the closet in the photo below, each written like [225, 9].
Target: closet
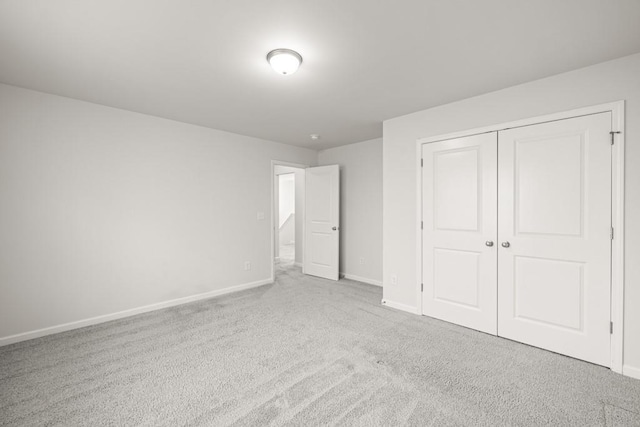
[516, 234]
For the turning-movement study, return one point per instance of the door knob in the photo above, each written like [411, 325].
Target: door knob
[505, 244]
[488, 243]
[334, 228]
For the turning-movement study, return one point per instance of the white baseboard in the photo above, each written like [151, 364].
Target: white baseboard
[11, 339]
[631, 371]
[398, 306]
[361, 279]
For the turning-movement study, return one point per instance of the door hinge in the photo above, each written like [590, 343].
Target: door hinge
[613, 136]
[611, 328]
[611, 233]
[421, 225]
[421, 287]
[421, 163]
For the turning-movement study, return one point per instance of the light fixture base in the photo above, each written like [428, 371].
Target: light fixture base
[284, 61]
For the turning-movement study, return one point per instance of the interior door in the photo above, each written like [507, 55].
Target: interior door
[459, 185]
[322, 221]
[554, 232]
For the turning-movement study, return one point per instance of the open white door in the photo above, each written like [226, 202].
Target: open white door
[322, 221]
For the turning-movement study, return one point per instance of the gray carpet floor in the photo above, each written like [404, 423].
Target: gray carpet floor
[302, 351]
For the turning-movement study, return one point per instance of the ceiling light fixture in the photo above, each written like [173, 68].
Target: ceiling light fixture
[284, 61]
[315, 136]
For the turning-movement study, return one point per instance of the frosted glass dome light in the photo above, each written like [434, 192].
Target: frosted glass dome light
[284, 61]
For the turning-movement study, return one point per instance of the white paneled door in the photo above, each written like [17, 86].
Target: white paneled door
[322, 221]
[516, 234]
[459, 231]
[554, 230]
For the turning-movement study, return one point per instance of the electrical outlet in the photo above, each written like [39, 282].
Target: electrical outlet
[361, 260]
[394, 279]
[247, 266]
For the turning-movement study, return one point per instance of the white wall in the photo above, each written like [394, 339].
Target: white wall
[300, 194]
[602, 83]
[287, 208]
[360, 207]
[105, 210]
[287, 233]
[286, 197]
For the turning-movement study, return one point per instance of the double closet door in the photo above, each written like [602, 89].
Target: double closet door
[516, 237]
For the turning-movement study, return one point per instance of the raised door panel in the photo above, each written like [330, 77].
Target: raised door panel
[456, 189]
[456, 277]
[545, 182]
[536, 279]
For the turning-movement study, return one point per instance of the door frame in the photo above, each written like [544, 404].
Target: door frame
[275, 163]
[617, 110]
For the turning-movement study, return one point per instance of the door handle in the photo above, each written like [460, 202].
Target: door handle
[334, 228]
[506, 244]
[488, 243]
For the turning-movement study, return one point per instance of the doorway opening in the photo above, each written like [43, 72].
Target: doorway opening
[310, 238]
[288, 214]
[287, 217]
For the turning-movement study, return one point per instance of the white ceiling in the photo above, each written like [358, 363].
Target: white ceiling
[365, 61]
